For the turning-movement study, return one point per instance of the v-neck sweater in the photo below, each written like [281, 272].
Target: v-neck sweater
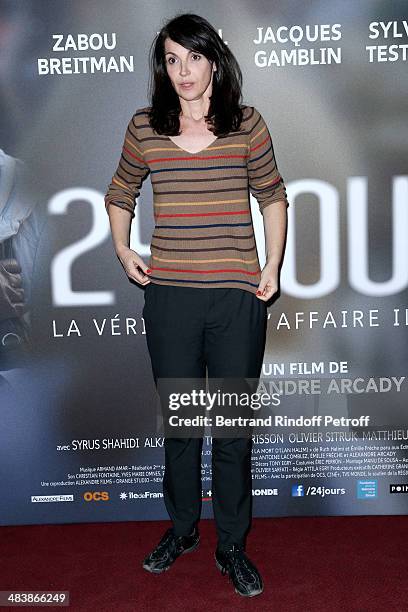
[203, 234]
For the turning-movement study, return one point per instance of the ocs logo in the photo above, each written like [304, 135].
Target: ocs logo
[96, 496]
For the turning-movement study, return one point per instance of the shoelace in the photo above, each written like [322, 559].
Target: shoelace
[168, 539]
[169, 542]
[237, 560]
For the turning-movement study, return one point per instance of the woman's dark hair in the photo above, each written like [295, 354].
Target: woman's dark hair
[197, 34]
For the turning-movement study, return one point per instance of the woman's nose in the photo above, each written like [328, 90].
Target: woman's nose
[184, 69]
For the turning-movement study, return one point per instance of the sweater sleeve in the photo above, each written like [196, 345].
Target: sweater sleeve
[130, 173]
[265, 182]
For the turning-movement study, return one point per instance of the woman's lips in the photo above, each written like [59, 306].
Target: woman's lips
[186, 85]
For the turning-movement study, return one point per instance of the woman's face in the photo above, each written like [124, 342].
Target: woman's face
[189, 67]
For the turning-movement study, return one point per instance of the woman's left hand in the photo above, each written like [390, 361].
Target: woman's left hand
[269, 282]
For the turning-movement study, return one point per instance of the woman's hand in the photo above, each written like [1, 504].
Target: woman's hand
[269, 282]
[131, 262]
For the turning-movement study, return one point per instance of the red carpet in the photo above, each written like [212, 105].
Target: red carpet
[308, 564]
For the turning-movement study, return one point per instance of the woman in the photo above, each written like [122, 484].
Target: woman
[205, 296]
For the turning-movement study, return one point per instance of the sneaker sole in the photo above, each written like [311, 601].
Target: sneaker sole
[160, 571]
[236, 590]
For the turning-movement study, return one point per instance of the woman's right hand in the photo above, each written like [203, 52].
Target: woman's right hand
[131, 262]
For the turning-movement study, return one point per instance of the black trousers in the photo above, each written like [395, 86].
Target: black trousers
[223, 330]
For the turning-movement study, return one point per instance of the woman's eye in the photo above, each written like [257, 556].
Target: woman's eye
[172, 60]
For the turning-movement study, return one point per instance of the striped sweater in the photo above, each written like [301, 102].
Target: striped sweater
[203, 234]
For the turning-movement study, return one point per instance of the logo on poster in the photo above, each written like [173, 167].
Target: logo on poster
[51, 498]
[96, 496]
[367, 489]
[399, 488]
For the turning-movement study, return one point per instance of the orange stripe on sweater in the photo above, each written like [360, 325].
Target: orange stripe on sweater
[211, 214]
[205, 271]
[206, 157]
